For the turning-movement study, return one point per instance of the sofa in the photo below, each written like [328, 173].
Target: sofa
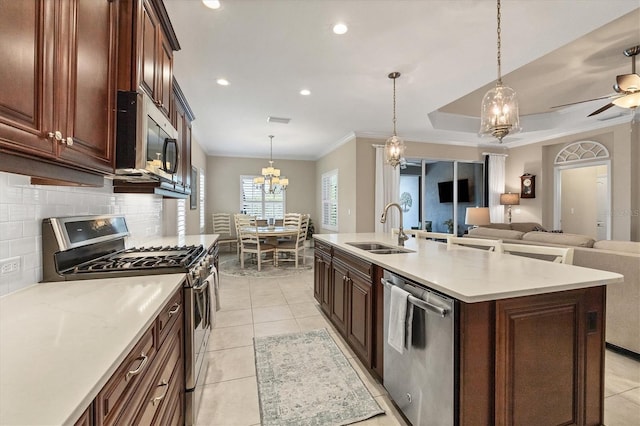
[623, 257]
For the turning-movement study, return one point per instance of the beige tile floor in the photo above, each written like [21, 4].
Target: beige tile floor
[266, 306]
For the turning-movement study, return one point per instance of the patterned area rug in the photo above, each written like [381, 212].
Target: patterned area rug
[304, 379]
[230, 265]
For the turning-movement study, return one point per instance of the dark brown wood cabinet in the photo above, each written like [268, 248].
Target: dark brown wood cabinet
[343, 285]
[339, 295]
[147, 43]
[182, 118]
[57, 102]
[359, 325]
[148, 386]
[533, 360]
[322, 276]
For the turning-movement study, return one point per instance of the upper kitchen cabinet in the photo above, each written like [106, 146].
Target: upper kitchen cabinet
[57, 101]
[147, 43]
[181, 118]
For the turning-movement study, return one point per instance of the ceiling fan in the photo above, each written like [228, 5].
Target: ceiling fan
[627, 88]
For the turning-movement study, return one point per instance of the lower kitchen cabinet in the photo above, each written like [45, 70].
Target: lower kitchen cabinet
[344, 287]
[148, 386]
[533, 360]
[322, 276]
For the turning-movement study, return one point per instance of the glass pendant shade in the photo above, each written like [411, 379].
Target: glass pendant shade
[393, 150]
[499, 114]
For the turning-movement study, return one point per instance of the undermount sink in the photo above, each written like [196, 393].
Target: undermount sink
[377, 248]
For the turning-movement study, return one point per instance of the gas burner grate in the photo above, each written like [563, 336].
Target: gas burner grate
[144, 258]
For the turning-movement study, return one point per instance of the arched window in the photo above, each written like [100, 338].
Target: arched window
[581, 151]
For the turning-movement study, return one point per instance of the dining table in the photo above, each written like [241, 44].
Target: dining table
[272, 231]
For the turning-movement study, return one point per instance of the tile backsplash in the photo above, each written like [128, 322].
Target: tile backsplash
[23, 206]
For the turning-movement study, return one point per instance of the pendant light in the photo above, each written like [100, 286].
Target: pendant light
[499, 115]
[394, 146]
[270, 182]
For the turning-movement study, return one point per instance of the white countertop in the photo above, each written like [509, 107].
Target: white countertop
[473, 275]
[61, 341]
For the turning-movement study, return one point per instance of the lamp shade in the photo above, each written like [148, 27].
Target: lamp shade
[509, 199]
[477, 216]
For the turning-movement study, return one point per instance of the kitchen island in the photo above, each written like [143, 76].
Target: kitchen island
[529, 337]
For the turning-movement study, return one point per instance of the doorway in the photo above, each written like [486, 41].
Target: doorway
[584, 201]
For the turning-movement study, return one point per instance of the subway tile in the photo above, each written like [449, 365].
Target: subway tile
[23, 246]
[10, 230]
[4, 212]
[18, 180]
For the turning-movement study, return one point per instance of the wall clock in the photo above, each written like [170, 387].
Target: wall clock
[528, 186]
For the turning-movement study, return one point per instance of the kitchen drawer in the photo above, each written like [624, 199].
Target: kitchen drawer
[173, 416]
[114, 396]
[86, 419]
[354, 263]
[169, 315]
[168, 378]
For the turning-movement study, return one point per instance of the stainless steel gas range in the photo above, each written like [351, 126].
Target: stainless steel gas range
[90, 247]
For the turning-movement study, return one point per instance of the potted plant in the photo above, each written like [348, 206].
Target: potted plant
[310, 230]
[449, 224]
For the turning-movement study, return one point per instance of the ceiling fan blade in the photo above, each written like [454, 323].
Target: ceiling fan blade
[581, 102]
[627, 83]
[601, 109]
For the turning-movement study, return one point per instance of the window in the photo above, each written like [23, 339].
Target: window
[181, 216]
[201, 198]
[255, 202]
[330, 200]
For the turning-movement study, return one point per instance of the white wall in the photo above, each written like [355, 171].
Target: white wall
[538, 159]
[223, 184]
[23, 206]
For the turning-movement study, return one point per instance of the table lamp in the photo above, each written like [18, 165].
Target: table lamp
[509, 199]
[477, 216]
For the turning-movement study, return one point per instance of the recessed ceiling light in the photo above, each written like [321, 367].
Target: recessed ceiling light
[305, 92]
[340, 28]
[212, 4]
[222, 82]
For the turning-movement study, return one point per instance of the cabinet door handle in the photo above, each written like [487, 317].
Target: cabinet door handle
[138, 370]
[69, 141]
[57, 135]
[174, 309]
[157, 399]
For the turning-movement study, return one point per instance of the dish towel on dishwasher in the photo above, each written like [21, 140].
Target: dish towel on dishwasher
[399, 318]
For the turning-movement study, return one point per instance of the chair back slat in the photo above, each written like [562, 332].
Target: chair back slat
[555, 254]
[490, 245]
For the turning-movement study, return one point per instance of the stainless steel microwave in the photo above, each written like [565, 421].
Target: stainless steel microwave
[146, 142]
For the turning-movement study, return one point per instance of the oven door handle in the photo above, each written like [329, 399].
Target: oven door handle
[207, 284]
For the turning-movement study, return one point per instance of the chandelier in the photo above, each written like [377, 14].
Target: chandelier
[499, 114]
[270, 182]
[394, 146]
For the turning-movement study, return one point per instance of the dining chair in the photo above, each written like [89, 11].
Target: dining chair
[241, 221]
[295, 245]
[289, 220]
[432, 235]
[222, 226]
[554, 254]
[486, 244]
[250, 244]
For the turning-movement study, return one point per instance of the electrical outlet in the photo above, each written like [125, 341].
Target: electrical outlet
[9, 266]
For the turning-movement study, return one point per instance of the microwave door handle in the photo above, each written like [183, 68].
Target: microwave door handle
[166, 143]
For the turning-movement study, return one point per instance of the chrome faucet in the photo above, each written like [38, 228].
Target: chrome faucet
[402, 237]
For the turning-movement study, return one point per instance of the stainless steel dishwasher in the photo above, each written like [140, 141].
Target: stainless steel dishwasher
[421, 379]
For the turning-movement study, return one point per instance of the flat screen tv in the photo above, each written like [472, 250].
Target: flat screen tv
[445, 191]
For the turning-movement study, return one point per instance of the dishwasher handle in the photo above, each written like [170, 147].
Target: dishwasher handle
[422, 304]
